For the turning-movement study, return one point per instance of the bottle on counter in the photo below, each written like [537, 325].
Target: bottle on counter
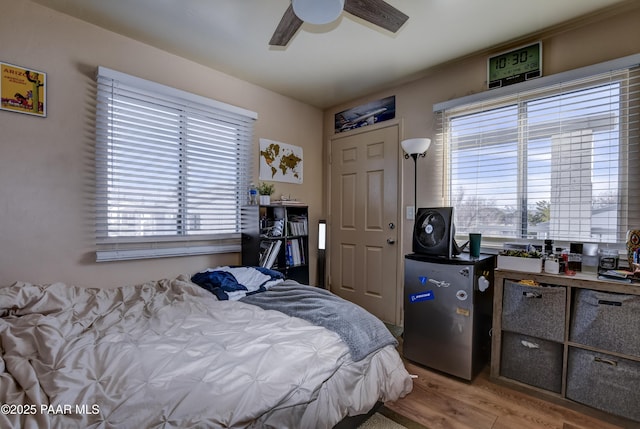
[563, 256]
[253, 194]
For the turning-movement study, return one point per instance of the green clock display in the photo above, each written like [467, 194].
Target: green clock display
[515, 66]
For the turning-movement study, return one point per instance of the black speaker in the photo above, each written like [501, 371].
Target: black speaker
[433, 232]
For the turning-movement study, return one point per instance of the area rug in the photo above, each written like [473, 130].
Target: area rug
[378, 421]
[385, 418]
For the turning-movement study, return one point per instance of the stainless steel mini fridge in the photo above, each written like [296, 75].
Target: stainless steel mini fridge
[448, 305]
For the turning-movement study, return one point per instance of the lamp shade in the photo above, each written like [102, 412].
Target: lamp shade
[318, 11]
[416, 146]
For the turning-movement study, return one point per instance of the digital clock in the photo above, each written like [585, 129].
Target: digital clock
[515, 66]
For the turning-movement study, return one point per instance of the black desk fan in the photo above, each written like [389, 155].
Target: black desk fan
[433, 233]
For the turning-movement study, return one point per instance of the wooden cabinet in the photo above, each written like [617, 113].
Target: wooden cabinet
[575, 337]
[277, 237]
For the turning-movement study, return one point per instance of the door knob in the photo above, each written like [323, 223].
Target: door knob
[391, 241]
[392, 225]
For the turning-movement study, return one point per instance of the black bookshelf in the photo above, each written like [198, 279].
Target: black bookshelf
[277, 237]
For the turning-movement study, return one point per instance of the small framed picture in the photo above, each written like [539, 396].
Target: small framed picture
[23, 90]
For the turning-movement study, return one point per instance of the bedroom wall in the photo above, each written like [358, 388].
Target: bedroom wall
[46, 170]
[607, 35]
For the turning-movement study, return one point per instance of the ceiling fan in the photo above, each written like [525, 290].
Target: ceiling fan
[377, 12]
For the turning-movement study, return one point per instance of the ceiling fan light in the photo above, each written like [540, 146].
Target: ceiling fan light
[318, 11]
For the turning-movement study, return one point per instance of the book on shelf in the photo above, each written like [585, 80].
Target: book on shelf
[289, 254]
[270, 253]
[298, 224]
[297, 228]
[301, 249]
[265, 246]
[295, 252]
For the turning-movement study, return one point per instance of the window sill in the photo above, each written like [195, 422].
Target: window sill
[164, 252]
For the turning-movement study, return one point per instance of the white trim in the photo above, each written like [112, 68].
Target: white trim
[167, 239]
[129, 254]
[583, 72]
[148, 85]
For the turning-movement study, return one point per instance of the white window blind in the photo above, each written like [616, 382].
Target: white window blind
[172, 170]
[556, 162]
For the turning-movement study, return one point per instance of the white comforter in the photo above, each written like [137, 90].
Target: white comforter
[168, 354]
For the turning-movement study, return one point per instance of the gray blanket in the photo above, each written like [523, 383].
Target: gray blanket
[359, 329]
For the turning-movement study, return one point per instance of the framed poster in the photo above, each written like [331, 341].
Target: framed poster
[280, 162]
[366, 114]
[23, 90]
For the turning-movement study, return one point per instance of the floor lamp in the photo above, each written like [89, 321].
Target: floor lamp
[415, 148]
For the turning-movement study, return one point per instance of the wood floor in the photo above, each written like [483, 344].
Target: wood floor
[443, 402]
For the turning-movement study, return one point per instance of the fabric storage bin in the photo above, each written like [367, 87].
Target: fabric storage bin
[538, 311]
[606, 320]
[532, 361]
[604, 382]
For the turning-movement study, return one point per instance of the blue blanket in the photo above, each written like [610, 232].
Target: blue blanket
[233, 283]
[359, 329]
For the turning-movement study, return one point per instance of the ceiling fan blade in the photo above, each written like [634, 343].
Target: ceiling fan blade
[377, 12]
[287, 27]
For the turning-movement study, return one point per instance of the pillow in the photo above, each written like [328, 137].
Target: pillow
[233, 283]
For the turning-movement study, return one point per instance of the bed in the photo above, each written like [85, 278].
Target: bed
[172, 354]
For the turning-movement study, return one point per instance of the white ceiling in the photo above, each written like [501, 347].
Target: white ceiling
[324, 65]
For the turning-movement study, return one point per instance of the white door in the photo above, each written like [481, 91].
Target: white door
[364, 220]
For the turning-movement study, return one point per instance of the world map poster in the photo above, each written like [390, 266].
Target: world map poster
[280, 162]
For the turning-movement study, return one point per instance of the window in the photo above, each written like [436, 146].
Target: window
[555, 162]
[172, 170]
